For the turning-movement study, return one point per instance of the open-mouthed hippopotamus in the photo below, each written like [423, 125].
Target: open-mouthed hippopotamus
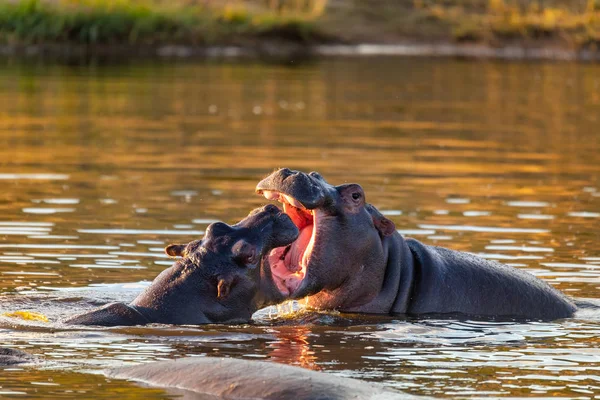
[221, 278]
[348, 256]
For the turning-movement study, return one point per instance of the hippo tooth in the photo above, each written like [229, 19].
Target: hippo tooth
[293, 201]
[271, 195]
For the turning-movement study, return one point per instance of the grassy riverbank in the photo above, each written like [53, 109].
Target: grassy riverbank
[120, 22]
[571, 24]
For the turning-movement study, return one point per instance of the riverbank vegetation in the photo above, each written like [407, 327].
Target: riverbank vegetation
[574, 23]
[565, 23]
[153, 21]
[562, 23]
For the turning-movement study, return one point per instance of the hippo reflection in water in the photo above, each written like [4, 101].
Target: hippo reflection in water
[225, 277]
[348, 256]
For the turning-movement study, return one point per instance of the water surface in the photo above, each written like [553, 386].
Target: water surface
[102, 166]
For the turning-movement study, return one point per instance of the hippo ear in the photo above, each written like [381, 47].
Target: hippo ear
[175, 250]
[224, 287]
[383, 225]
[245, 253]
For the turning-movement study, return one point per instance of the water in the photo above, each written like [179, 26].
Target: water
[102, 166]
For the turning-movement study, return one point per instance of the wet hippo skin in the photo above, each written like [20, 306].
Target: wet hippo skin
[224, 277]
[228, 378]
[350, 257]
[9, 356]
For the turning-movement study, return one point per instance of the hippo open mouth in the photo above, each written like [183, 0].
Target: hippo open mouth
[303, 197]
[329, 218]
[339, 240]
[289, 264]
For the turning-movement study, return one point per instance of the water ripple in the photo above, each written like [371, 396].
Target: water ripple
[470, 228]
[141, 232]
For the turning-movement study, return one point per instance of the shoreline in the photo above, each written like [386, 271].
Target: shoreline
[291, 51]
[284, 31]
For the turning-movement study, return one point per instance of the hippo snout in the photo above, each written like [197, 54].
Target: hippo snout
[295, 187]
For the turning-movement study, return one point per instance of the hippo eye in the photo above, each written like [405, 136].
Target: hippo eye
[356, 195]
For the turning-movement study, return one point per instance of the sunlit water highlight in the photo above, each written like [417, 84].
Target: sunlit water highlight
[103, 166]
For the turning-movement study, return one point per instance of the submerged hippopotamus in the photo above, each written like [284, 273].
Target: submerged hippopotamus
[10, 356]
[225, 277]
[348, 256]
[229, 378]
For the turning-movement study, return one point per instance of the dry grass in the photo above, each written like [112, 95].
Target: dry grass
[501, 20]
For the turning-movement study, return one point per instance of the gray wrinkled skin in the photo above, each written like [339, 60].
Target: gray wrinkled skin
[220, 279]
[360, 263]
[228, 378]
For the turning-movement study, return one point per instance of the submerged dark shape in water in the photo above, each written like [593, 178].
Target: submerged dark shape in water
[222, 278]
[231, 378]
[350, 257]
[9, 356]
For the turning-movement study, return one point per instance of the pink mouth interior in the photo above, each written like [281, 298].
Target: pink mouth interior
[289, 263]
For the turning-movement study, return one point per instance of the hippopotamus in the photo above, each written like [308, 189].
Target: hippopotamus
[229, 378]
[10, 356]
[223, 278]
[348, 256]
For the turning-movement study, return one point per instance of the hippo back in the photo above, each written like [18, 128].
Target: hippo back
[227, 378]
[448, 281]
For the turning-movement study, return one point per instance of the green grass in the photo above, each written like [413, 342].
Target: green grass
[142, 22]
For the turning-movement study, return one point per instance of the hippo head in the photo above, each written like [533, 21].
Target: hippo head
[218, 279]
[340, 237]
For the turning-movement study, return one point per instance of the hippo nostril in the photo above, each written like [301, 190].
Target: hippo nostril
[271, 208]
[316, 175]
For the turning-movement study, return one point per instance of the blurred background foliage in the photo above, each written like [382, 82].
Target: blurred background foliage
[575, 23]
[153, 21]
